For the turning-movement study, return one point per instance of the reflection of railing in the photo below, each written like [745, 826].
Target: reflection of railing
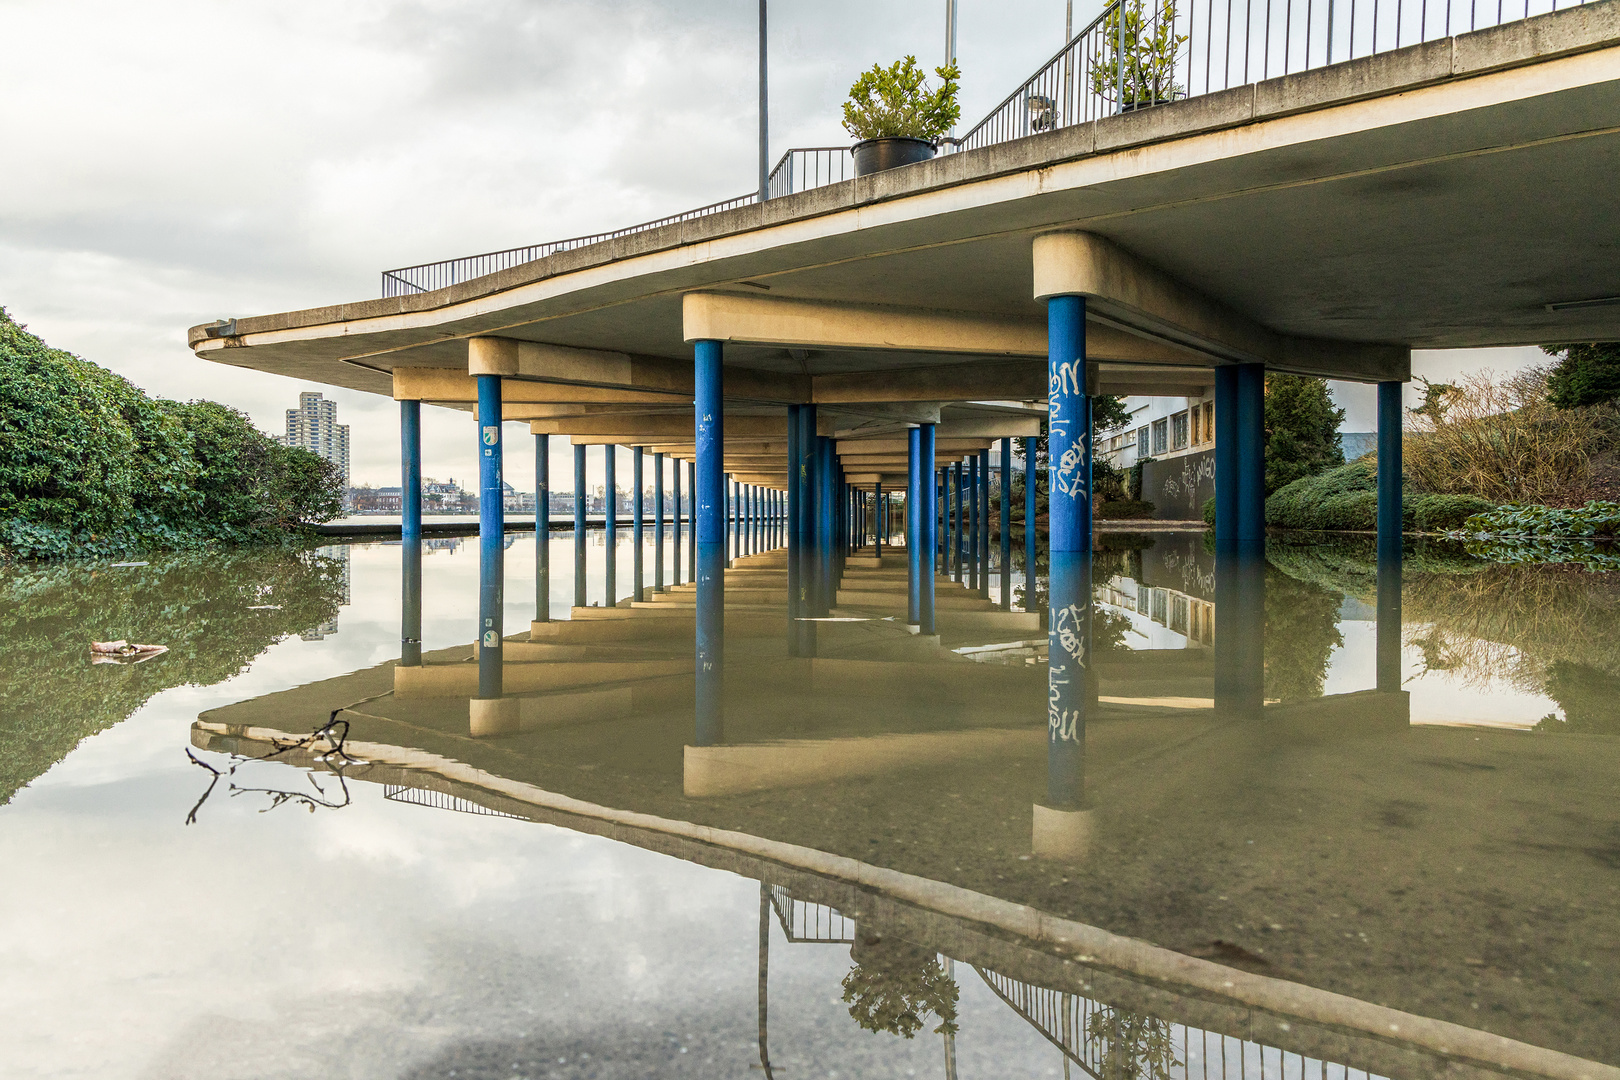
[1080, 1027]
[803, 921]
[440, 801]
[1135, 55]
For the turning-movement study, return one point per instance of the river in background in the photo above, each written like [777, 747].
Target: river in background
[565, 886]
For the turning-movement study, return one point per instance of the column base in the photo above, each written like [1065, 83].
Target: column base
[1062, 834]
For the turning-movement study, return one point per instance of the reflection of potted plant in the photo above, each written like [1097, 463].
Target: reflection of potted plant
[896, 117]
[1137, 64]
[1132, 1046]
[895, 984]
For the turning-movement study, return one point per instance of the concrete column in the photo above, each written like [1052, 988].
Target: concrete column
[1031, 474]
[658, 523]
[610, 522]
[973, 522]
[1390, 524]
[580, 495]
[878, 511]
[491, 537]
[926, 516]
[410, 507]
[984, 523]
[1069, 420]
[709, 515]
[691, 499]
[1251, 440]
[1069, 551]
[637, 525]
[955, 473]
[542, 528]
[1226, 455]
[1006, 524]
[410, 471]
[914, 569]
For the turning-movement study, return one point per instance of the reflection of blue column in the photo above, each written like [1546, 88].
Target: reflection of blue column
[1031, 486]
[610, 521]
[410, 471]
[1006, 524]
[658, 522]
[710, 543]
[1240, 599]
[1389, 620]
[410, 622]
[984, 523]
[1251, 451]
[1070, 684]
[491, 529]
[542, 528]
[914, 571]
[637, 514]
[579, 526]
[1069, 550]
[927, 507]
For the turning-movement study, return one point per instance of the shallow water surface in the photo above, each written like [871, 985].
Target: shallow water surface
[1283, 843]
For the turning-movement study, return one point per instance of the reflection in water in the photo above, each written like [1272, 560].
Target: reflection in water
[1247, 856]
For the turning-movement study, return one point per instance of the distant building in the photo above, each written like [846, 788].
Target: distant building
[313, 426]
[1357, 443]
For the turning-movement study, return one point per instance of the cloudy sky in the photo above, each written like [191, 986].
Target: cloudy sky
[173, 162]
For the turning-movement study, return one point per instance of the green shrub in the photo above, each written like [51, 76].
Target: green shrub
[1441, 513]
[893, 102]
[1336, 499]
[1209, 512]
[90, 466]
[1123, 510]
[1593, 519]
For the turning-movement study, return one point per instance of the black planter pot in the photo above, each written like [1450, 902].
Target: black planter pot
[875, 155]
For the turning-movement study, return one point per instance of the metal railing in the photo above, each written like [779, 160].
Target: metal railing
[1107, 1042]
[810, 167]
[1142, 53]
[440, 801]
[1137, 54]
[804, 921]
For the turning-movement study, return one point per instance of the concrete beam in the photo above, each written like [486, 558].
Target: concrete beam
[942, 447]
[1121, 288]
[452, 386]
[657, 425]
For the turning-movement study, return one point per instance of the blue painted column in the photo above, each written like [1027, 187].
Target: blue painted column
[1069, 684]
[984, 523]
[691, 507]
[410, 471]
[410, 516]
[542, 528]
[1390, 528]
[658, 522]
[580, 496]
[914, 570]
[942, 496]
[675, 525]
[972, 517]
[877, 510]
[958, 505]
[795, 507]
[1251, 448]
[637, 520]
[927, 517]
[1006, 524]
[610, 522]
[709, 547]
[1227, 474]
[491, 537]
[1031, 533]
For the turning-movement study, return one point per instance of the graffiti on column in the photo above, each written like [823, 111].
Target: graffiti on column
[1070, 469]
[1067, 635]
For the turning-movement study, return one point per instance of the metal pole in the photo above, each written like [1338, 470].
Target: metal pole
[491, 537]
[710, 543]
[764, 114]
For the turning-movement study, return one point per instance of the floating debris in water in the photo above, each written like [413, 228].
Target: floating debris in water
[116, 565]
[122, 652]
[264, 607]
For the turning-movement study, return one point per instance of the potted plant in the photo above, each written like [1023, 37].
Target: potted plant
[896, 117]
[1136, 65]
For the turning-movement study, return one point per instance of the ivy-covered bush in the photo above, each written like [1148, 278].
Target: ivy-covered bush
[1593, 519]
[1346, 500]
[91, 466]
[1441, 513]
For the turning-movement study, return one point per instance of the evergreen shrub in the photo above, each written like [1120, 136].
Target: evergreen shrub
[1123, 510]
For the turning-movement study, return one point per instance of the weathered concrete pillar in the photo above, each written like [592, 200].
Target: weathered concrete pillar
[709, 546]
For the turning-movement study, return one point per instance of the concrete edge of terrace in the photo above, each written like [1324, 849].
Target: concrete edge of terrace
[1571, 31]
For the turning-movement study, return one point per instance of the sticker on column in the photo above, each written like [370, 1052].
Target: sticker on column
[492, 434]
[492, 639]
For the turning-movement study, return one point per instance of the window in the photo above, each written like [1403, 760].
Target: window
[1209, 421]
[1197, 416]
[1142, 441]
[1178, 431]
[1161, 436]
